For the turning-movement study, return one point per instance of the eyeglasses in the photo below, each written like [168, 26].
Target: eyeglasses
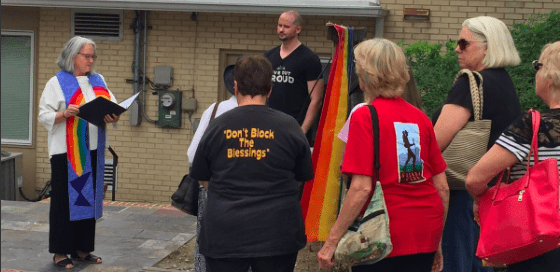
[537, 65]
[89, 56]
[463, 44]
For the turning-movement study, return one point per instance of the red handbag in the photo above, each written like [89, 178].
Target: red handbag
[520, 220]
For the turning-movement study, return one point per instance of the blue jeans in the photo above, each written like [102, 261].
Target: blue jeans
[460, 236]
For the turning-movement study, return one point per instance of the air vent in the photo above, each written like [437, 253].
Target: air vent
[98, 25]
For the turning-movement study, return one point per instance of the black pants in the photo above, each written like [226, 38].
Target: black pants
[407, 263]
[549, 261]
[67, 236]
[280, 263]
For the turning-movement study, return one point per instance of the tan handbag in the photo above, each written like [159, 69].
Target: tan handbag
[470, 143]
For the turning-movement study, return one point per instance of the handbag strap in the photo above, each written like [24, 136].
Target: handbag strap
[476, 91]
[536, 118]
[376, 164]
[214, 111]
[536, 121]
[375, 125]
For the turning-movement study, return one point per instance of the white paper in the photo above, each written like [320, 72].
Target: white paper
[126, 104]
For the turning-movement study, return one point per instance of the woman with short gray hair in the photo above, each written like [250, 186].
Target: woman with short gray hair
[76, 152]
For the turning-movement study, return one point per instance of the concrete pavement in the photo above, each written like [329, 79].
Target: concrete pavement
[129, 237]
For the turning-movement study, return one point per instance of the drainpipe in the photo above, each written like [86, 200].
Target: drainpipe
[145, 49]
[135, 118]
[140, 28]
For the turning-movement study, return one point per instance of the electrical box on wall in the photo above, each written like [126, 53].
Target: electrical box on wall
[169, 112]
[163, 76]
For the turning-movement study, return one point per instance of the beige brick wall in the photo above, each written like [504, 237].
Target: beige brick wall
[152, 160]
[446, 16]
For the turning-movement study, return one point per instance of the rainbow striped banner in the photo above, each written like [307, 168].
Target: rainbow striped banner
[321, 195]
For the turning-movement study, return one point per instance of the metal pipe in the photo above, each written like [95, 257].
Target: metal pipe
[143, 108]
[135, 118]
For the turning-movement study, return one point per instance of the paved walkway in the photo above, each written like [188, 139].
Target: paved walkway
[129, 237]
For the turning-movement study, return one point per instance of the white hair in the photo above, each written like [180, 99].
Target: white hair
[66, 58]
[550, 56]
[501, 50]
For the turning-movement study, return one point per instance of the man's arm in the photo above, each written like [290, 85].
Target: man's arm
[204, 121]
[315, 95]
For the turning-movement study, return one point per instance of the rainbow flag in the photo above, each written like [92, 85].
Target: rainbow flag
[321, 195]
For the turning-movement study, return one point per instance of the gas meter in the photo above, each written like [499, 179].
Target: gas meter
[169, 112]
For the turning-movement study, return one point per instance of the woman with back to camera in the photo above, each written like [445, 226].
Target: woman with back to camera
[252, 159]
[382, 71]
[76, 196]
[485, 45]
[513, 145]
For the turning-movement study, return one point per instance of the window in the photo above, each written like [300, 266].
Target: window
[228, 57]
[17, 87]
[98, 24]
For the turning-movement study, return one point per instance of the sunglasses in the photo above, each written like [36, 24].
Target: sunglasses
[537, 65]
[463, 44]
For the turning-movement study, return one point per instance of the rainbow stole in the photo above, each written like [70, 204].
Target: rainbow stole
[85, 200]
[321, 195]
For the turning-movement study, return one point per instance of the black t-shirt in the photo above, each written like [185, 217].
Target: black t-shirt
[289, 81]
[253, 157]
[501, 104]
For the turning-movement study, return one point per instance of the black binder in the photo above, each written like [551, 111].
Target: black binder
[95, 110]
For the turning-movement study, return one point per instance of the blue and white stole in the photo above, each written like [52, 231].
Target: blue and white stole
[85, 201]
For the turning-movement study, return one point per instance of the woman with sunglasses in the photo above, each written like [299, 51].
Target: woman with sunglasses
[485, 45]
[74, 149]
[512, 147]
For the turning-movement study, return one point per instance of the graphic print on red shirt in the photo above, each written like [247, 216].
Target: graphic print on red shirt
[411, 166]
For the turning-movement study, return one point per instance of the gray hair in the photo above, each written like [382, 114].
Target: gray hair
[500, 50]
[66, 58]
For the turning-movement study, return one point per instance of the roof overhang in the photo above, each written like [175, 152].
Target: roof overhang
[305, 7]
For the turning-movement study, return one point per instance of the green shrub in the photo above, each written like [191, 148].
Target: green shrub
[435, 66]
[530, 37]
[434, 71]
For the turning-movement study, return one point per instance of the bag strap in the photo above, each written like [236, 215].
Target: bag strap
[536, 120]
[376, 164]
[375, 125]
[214, 111]
[476, 91]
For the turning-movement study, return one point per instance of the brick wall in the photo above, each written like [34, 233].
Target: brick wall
[152, 160]
[446, 16]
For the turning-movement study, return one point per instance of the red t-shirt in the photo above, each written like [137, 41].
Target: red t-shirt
[409, 157]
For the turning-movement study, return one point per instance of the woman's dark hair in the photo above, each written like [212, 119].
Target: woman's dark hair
[253, 75]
